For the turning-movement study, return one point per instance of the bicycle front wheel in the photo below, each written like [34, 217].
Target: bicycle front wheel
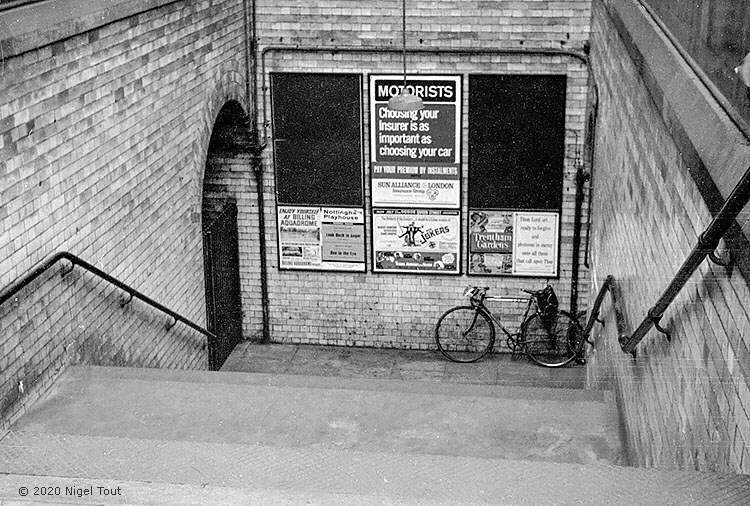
[552, 341]
[464, 334]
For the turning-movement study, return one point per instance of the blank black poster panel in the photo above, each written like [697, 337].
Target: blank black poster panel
[317, 131]
[516, 141]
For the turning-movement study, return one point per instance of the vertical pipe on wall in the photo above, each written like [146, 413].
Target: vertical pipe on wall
[256, 149]
[581, 178]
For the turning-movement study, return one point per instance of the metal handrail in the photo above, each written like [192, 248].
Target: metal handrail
[9, 291]
[12, 4]
[707, 243]
[609, 285]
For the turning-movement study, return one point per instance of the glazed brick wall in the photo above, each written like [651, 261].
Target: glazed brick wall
[104, 134]
[685, 403]
[103, 140]
[394, 310]
[78, 319]
[231, 175]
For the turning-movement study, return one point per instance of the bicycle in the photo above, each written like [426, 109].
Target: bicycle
[549, 336]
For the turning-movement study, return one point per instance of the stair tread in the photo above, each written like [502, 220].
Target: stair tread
[336, 382]
[345, 472]
[86, 491]
[269, 409]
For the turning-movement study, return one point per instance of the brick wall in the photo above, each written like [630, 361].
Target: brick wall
[395, 310]
[685, 403]
[103, 143]
[229, 174]
[104, 136]
[78, 319]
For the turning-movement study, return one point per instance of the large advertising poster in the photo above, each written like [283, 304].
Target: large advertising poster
[416, 240]
[415, 155]
[321, 238]
[513, 243]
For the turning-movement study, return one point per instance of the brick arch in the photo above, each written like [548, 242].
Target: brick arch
[223, 185]
[229, 87]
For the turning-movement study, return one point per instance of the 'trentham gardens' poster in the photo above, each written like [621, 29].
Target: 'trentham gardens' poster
[513, 243]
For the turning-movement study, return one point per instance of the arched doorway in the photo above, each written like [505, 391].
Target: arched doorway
[226, 151]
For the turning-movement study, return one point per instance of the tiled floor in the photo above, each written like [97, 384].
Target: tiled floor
[495, 369]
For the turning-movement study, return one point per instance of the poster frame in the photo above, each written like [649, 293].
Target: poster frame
[370, 77]
[459, 259]
[314, 269]
[361, 205]
[514, 210]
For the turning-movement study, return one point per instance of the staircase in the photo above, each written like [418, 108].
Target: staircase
[147, 436]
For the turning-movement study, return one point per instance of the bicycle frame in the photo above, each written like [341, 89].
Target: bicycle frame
[549, 336]
[480, 305]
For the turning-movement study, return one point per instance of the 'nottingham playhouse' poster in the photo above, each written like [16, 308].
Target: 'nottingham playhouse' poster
[416, 240]
[321, 238]
[416, 157]
[513, 243]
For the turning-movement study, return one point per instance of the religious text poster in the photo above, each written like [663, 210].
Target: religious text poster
[321, 238]
[415, 155]
[416, 240]
[535, 244]
[513, 243]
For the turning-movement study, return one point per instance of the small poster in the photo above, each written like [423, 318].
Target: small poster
[415, 155]
[321, 238]
[490, 242]
[513, 243]
[535, 244]
[416, 240]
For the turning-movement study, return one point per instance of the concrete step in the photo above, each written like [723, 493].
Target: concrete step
[419, 365]
[89, 491]
[558, 425]
[224, 473]
[191, 437]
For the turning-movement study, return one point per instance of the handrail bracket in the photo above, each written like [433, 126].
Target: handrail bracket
[65, 271]
[656, 321]
[125, 301]
[171, 324]
[710, 246]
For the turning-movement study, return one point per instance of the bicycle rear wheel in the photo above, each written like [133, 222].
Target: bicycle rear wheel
[552, 341]
[464, 334]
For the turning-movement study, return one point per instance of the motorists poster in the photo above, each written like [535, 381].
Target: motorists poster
[513, 243]
[416, 240]
[321, 238]
[415, 155]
